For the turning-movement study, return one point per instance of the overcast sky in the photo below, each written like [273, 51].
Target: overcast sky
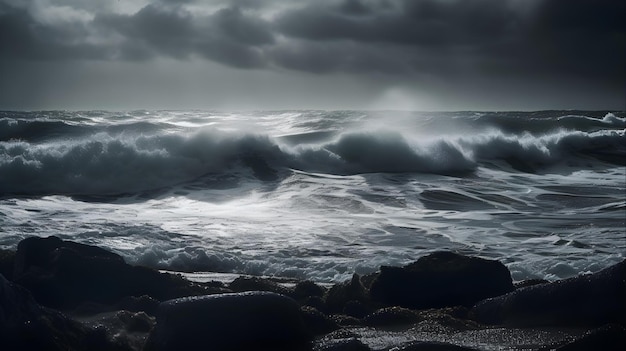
[320, 54]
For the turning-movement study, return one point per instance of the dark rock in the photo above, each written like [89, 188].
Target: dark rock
[368, 279]
[7, 260]
[240, 321]
[142, 303]
[432, 346]
[356, 309]
[35, 253]
[243, 284]
[316, 302]
[341, 340]
[350, 344]
[64, 274]
[529, 282]
[306, 289]
[611, 337]
[588, 300]
[392, 316]
[342, 293]
[317, 322]
[345, 321]
[136, 321]
[441, 279]
[25, 325]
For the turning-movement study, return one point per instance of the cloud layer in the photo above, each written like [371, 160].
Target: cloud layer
[395, 37]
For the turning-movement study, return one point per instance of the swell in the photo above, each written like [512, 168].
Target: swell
[36, 130]
[548, 121]
[109, 164]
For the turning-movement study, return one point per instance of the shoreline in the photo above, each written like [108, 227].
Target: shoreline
[61, 295]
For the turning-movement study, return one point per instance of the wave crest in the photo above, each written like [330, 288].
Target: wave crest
[122, 164]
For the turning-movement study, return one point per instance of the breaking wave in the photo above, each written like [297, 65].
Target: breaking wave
[106, 164]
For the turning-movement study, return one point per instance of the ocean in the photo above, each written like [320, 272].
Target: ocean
[320, 195]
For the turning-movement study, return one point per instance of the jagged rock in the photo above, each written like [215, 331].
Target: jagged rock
[342, 293]
[588, 300]
[441, 279]
[392, 316]
[25, 325]
[239, 321]
[64, 274]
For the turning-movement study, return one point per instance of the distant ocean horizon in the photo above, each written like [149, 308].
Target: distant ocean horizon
[319, 195]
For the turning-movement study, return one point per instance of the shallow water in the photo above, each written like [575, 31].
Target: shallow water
[317, 194]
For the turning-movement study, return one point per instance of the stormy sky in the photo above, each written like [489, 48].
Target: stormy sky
[320, 54]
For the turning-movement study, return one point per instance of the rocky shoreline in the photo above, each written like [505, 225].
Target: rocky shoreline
[62, 295]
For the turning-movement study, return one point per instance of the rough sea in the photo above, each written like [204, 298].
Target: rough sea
[320, 194]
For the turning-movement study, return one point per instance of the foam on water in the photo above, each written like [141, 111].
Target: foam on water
[320, 195]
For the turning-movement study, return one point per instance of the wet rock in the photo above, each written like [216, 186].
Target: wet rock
[243, 284]
[63, 274]
[307, 289]
[316, 302]
[350, 344]
[588, 300]
[441, 279]
[340, 294]
[317, 322]
[392, 316]
[142, 303]
[345, 321]
[356, 309]
[431, 346]
[25, 325]
[136, 321]
[7, 259]
[340, 340]
[239, 321]
[529, 282]
[611, 337]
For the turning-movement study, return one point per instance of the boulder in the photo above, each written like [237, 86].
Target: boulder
[243, 284]
[238, 321]
[441, 279]
[587, 300]
[63, 274]
[340, 294]
[307, 289]
[25, 325]
[316, 322]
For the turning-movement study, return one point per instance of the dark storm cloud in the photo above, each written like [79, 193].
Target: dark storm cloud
[227, 36]
[516, 38]
[21, 36]
[558, 38]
